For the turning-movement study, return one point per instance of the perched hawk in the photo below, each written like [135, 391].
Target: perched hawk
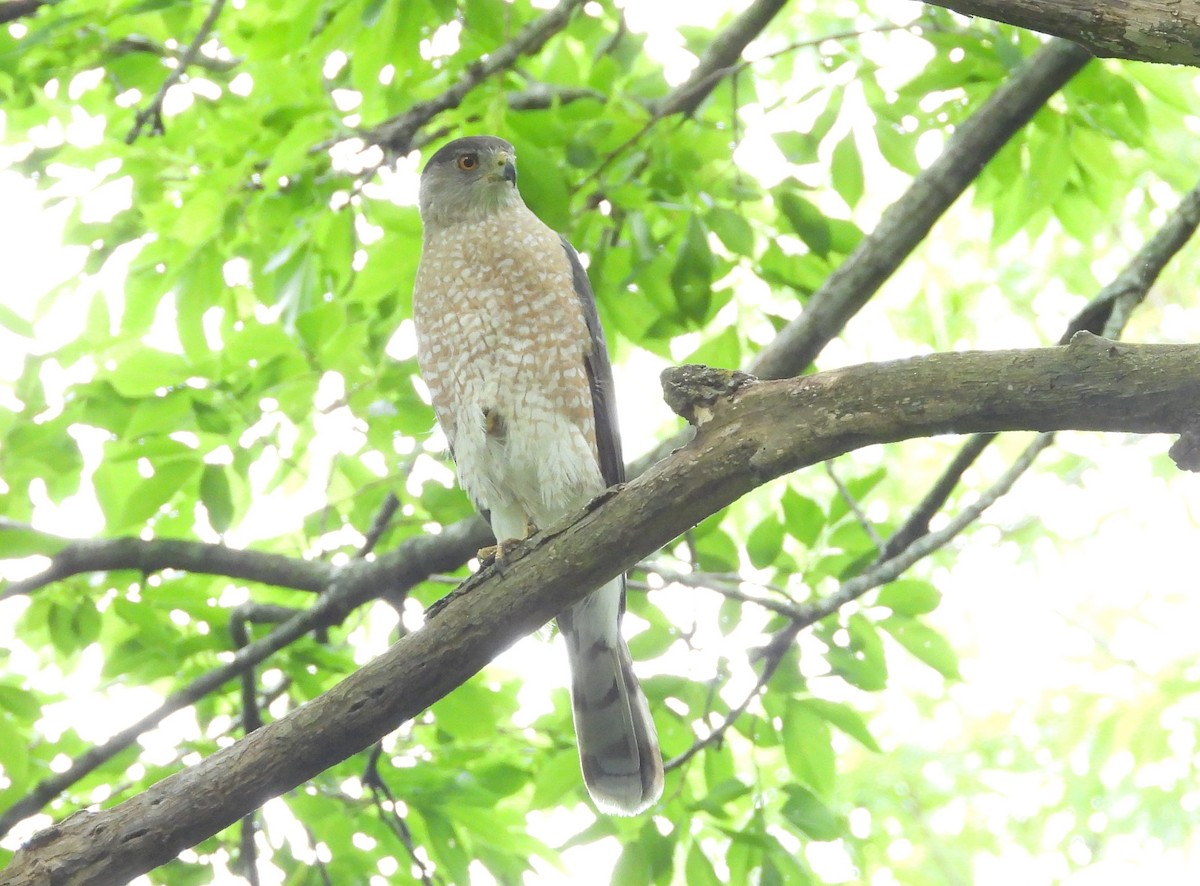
[511, 349]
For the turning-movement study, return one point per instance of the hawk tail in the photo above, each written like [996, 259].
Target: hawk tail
[618, 745]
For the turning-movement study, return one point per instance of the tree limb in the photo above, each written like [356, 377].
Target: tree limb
[764, 431]
[390, 577]
[11, 10]
[152, 113]
[1166, 31]
[154, 555]
[908, 221]
[397, 133]
[720, 58]
[1106, 314]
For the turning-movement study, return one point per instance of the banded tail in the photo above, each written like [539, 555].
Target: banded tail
[618, 745]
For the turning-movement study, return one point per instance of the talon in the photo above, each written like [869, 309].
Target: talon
[497, 552]
[500, 550]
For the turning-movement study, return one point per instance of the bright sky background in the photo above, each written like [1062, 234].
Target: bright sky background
[1023, 621]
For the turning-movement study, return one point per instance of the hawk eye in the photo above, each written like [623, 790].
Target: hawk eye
[467, 162]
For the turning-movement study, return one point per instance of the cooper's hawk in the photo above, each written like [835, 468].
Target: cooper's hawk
[511, 349]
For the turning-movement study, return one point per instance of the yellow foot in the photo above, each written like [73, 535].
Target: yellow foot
[500, 550]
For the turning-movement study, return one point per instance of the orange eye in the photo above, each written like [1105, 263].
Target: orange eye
[467, 162]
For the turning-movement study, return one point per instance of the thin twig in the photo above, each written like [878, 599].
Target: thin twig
[397, 133]
[153, 111]
[854, 588]
[867, 526]
[726, 588]
[395, 821]
[135, 43]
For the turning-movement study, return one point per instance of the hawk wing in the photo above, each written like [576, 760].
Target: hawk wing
[599, 372]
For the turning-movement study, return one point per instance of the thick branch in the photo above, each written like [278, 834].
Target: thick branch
[11, 10]
[1146, 30]
[1106, 314]
[764, 431]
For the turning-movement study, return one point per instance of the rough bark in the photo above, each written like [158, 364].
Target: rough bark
[762, 431]
[1166, 31]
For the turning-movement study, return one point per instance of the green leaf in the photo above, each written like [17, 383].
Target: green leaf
[909, 596]
[23, 541]
[806, 220]
[797, 147]
[732, 230]
[14, 754]
[765, 542]
[844, 718]
[858, 488]
[19, 702]
[861, 660]
[698, 870]
[924, 643]
[810, 815]
[217, 497]
[15, 323]
[803, 517]
[544, 186]
[691, 277]
[141, 371]
[557, 781]
[897, 146]
[808, 747]
[140, 502]
[61, 622]
[846, 170]
[634, 865]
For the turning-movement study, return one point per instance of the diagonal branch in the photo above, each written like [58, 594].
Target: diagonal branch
[908, 221]
[152, 113]
[358, 582]
[764, 431]
[398, 132]
[11, 10]
[720, 58]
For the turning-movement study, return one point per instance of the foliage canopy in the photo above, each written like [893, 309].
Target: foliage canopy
[222, 353]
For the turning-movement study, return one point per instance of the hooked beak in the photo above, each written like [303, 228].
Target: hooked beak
[506, 169]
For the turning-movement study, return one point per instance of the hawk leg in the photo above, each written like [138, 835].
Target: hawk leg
[497, 552]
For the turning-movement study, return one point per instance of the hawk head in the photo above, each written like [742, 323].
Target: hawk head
[467, 180]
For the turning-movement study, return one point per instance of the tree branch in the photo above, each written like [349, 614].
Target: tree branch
[720, 58]
[765, 430]
[11, 10]
[908, 221]
[154, 555]
[1145, 30]
[1106, 314]
[152, 113]
[390, 577]
[397, 133]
